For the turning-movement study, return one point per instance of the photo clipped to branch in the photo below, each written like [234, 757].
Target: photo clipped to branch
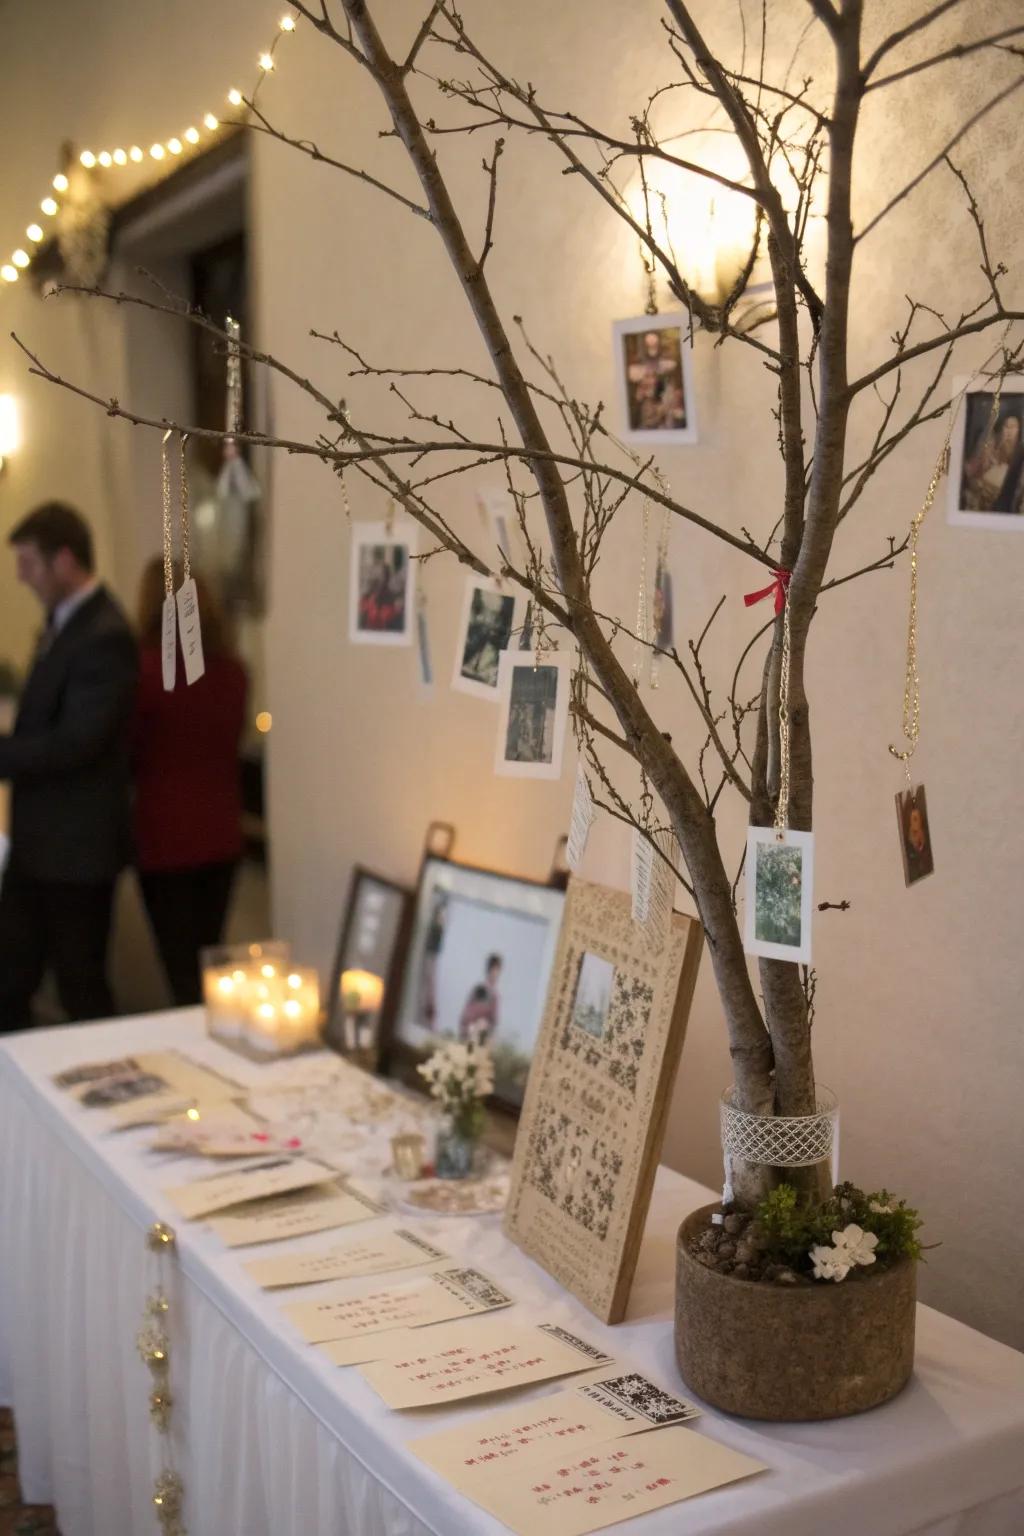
[915, 834]
[654, 376]
[779, 885]
[986, 467]
[498, 511]
[382, 584]
[488, 619]
[534, 692]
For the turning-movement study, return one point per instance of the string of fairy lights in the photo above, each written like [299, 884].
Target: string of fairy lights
[114, 159]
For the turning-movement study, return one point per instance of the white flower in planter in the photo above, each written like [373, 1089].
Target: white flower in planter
[856, 1245]
[829, 1263]
[882, 1210]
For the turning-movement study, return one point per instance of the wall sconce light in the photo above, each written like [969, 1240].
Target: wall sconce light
[707, 228]
[10, 433]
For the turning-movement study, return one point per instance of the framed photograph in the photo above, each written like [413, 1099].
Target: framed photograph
[915, 834]
[534, 698]
[986, 465]
[382, 600]
[368, 962]
[779, 894]
[488, 620]
[654, 373]
[480, 959]
[602, 1076]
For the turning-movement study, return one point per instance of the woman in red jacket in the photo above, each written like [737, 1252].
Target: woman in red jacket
[188, 810]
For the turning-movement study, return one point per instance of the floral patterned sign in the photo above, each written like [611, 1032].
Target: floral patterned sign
[598, 1093]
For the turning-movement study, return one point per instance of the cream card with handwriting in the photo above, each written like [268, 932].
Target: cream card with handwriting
[569, 1493]
[294, 1215]
[568, 1422]
[366, 1256]
[461, 1360]
[203, 1196]
[433, 1299]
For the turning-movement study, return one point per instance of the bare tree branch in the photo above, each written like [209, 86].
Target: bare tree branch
[895, 38]
[957, 51]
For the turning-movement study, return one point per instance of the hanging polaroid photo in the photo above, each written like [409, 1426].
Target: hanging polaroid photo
[779, 894]
[499, 513]
[382, 584]
[986, 465]
[915, 834]
[488, 619]
[661, 607]
[654, 373]
[534, 697]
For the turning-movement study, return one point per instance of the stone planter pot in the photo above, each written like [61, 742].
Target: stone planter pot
[777, 1352]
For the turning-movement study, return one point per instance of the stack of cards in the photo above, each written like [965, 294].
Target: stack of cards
[259, 1181]
[317, 1209]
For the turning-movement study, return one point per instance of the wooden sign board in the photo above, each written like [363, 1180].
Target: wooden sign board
[598, 1094]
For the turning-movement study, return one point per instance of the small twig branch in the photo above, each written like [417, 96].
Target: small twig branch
[895, 38]
[957, 51]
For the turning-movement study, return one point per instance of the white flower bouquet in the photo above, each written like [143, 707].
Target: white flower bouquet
[461, 1075]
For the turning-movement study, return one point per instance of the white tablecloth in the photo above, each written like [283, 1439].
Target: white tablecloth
[271, 1440]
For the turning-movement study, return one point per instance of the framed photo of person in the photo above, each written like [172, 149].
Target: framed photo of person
[368, 962]
[382, 583]
[986, 464]
[479, 962]
[597, 1099]
[915, 834]
[534, 696]
[488, 621]
[654, 375]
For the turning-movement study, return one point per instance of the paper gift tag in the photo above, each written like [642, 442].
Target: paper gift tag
[434, 1299]
[570, 1421]
[570, 1494]
[466, 1359]
[367, 1256]
[581, 820]
[222, 1190]
[168, 643]
[653, 881]
[294, 1215]
[188, 628]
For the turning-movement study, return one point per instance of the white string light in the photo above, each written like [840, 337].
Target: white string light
[107, 159]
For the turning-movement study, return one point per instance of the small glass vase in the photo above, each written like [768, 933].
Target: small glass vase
[454, 1153]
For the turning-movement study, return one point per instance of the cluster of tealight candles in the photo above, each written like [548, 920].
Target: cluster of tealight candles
[256, 996]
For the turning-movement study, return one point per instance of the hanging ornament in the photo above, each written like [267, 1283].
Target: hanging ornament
[169, 621]
[188, 597]
[237, 491]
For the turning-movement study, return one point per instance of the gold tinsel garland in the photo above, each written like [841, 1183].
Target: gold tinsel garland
[154, 1346]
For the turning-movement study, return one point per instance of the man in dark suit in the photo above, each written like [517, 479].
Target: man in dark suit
[67, 761]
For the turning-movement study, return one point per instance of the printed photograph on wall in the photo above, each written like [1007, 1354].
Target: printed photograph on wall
[382, 584]
[986, 470]
[534, 695]
[779, 891]
[488, 620]
[655, 379]
[915, 834]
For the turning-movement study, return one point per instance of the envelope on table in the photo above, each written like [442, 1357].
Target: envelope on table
[435, 1298]
[203, 1196]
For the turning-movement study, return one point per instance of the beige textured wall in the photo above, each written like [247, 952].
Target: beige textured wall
[918, 1023]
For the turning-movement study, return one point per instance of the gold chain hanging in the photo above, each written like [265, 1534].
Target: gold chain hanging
[165, 475]
[782, 803]
[641, 598]
[186, 553]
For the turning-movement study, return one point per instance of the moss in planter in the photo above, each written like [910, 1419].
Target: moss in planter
[774, 1243]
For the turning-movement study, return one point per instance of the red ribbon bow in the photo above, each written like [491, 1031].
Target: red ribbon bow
[778, 586]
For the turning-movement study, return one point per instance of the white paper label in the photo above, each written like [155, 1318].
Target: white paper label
[653, 880]
[169, 642]
[188, 625]
[580, 822]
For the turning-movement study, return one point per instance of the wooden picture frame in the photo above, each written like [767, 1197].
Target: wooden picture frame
[598, 1094]
[374, 937]
[502, 899]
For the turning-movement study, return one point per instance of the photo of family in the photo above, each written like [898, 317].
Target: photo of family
[654, 377]
[779, 887]
[535, 708]
[915, 834]
[986, 479]
[381, 596]
[488, 618]
[480, 960]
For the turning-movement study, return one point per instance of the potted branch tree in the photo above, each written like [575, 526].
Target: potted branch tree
[798, 1302]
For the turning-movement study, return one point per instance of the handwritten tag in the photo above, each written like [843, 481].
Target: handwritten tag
[653, 881]
[191, 636]
[580, 822]
[169, 643]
